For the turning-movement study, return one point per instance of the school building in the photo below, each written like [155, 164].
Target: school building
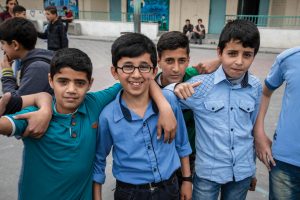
[117, 15]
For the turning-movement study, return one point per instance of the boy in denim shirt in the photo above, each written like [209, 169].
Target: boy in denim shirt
[225, 108]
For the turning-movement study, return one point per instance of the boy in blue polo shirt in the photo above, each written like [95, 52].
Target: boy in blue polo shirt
[59, 165]
[225, 107]
[142, 164]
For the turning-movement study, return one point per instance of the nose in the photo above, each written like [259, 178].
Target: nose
[71, 87]
[175, 67]
[136, 73]
[239, 60]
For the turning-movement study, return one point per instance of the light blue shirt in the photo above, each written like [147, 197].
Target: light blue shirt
[59, 165]
[286, 141]
[138, 156]
[224, 116]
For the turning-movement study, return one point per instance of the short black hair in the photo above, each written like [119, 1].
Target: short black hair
[171, 41]
[18, 9]
[51, 9]
[188, 20]
[133, 45]
[19, 29]
[64, 8]
[72, 58]
[241, 30]
[200, 20]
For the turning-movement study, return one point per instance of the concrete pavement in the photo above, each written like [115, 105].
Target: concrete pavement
[99, 51]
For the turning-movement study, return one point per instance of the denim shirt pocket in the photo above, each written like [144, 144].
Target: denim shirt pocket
[214, 106]
[246, 107]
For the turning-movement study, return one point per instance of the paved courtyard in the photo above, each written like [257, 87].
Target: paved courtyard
[99, 51]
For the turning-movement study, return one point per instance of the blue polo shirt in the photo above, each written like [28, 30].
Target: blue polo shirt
[138, 156]
[224, 115]
[286, 141]
[60, 164]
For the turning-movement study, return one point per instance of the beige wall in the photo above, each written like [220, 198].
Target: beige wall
[180, 10]
[93, 5]
[30, 4]
[231, 7]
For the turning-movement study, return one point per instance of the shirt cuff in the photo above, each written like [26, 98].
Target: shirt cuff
[171, 87]
[13, 126]
[99, 178]
[184, 150]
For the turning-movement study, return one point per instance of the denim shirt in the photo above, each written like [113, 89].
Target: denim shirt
[225, 115]
[138, 156]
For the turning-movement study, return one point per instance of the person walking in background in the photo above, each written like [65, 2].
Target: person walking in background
[188, 29]
[198, 32]
[8, 13]
[55, 32]
[68, 18]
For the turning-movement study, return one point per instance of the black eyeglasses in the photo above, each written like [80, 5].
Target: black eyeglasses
[128, 68]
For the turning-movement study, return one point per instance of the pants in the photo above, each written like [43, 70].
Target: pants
[168, 191]
[209, 190]
[284, 182]
[198, 38]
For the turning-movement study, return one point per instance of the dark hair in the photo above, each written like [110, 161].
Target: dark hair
[72, 58]
[200, 20]
[241, 30]
[19, 29]
[18, 9]
[6, 7]
[51, 9]
[171, 41]
[133, 45]
[187, 20]
[64, 8]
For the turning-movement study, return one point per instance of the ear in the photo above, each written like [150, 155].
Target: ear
[91, 83]
[158, 62]
[219, 52]
[114, 73]
[16, 44]
[50, 81]
[155, 70]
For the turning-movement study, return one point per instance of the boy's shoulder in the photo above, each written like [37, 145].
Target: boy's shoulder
[254, 81]
[287, 53]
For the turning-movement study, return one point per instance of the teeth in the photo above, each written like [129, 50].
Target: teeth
[136, 83]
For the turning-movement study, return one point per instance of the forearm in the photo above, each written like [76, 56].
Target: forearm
[158, 97]
[5, 126]
[43, 100]
[265, 101]
[185, 166]
[97, 191]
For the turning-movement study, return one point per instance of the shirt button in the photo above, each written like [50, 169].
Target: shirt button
[74, 135]
[248, 109]
[231, 129]
[154, 169]
[149, 147]
[144, 124]
[213, 108]
[231, 108]
[232, 148]
[233, 164]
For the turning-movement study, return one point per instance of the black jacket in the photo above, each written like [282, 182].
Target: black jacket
[56, 35]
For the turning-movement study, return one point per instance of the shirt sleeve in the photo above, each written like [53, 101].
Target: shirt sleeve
[104, 97]
[189, 73]
[254, 114]
[104, 143]
[20, 124]
[276, 77]
[181, 138]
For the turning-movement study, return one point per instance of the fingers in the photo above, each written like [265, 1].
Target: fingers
[172, 135]
[196, 84]
[185, 90]
[159, 132]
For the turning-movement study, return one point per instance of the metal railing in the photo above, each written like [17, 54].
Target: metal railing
[269, 20]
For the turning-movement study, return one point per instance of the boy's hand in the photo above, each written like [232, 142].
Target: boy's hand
[263, 150]
[185, 90]
[207, 67]
[253, 184]
[38, 122]
[6, 62]
[3, 102]
[166, 123]
[186, 191]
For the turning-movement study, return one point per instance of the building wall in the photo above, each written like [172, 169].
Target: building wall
[180, 10]
[231, 7]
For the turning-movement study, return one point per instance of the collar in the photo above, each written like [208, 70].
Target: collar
[220, 76]
[158, 80]
[121, 111]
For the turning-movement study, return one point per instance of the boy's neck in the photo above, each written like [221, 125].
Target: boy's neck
[138, 104]
[53, 21]
[23, 53]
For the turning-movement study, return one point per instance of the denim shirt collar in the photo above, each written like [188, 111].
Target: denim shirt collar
[121, 111]
[220, 76]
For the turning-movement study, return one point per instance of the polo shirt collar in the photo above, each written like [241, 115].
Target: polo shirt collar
[220, 76]
[121, 111]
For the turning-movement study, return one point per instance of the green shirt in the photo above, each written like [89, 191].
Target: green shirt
[60, 164]
[188, 114]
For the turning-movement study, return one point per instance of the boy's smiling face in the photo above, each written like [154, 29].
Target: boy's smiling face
[70, 88]
[173, 64]
[236, 59]
[135, 84]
